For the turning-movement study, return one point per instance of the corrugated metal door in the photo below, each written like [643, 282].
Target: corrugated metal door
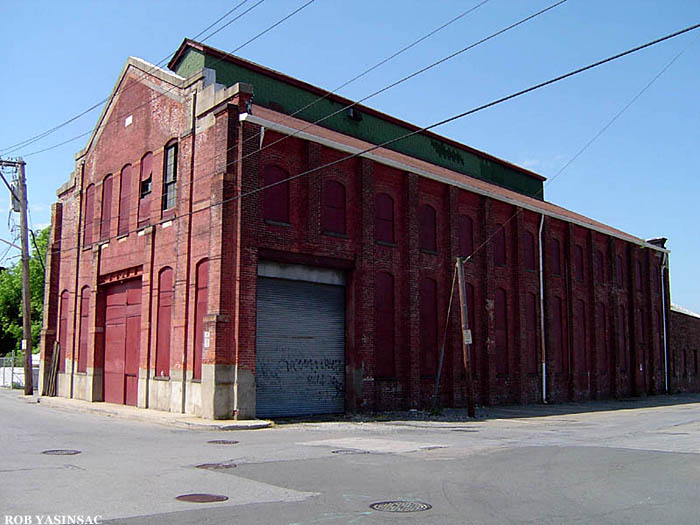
[300, 348]
[122, 342]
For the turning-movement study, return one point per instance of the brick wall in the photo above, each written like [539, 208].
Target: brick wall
[684, 344]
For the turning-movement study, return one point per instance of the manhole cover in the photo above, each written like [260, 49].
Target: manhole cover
[216, 466]
[400, 506]
[61, 452]
[349, 451]
[223, 442]
[202, 498]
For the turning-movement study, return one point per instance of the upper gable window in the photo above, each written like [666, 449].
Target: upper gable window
[556, 256]
[333, 207]
[578, 263]
[275, 198]
[529, 251]
[384, 218]
[427, 228]
[125, 200]
[106, 214]
[145, 189]
[89, 214]
[169, 176]
[500, 257]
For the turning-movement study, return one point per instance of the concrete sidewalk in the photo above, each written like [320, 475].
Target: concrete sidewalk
[141, 414]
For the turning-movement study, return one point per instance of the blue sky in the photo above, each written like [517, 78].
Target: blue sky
[640, 176]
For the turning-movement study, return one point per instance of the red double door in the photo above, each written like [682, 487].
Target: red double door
[122, 342]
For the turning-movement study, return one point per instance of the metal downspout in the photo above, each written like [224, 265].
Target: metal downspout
[542, 333]
[664, 269]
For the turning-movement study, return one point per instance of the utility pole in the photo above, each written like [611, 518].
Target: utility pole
[466, 336]
[19, 197]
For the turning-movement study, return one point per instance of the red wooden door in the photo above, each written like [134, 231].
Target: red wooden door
[122, 342]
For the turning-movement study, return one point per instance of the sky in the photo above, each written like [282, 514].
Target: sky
[640, 175]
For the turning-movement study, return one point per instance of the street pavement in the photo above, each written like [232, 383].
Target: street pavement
[629, 461]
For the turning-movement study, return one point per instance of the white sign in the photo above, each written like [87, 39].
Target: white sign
[24, 344]
[467, 337]
[207, 338]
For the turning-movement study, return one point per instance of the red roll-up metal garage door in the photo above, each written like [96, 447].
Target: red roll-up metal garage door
[122, 341]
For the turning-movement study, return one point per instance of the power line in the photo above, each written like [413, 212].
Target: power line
[44, 134]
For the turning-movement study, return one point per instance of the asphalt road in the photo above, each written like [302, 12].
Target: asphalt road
[634, 461]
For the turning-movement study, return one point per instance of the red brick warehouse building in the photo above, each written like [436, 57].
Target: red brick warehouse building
[175, 285]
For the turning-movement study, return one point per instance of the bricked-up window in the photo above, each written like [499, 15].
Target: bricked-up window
[165, 305]
[200, 310]
[599, 264]
[578, 263]
[531, 347]
[84, 329]
[333, 207]
[660, 339]
[475, 360]
[169, 177]
[427, 228]
[466, 235]
[622, 339]
[529, 251]
[88, 222]
[63, 330]
[384, 218]
[500, 257]
[428, 327]
[125, 196]
[384, 324]
[619, 272]
[558, 336]
[601, 338]
[555, 255]
[580, 357]
[501, 308]
[638, 275]
[106, 214]
[145, 189]
[276, 198]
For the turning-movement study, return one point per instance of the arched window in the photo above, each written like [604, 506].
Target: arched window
[63, 330]
[384, 218]
[84, 329]
[201, 306]
[619, 271]
[578, 263]
[623, 350]
[145, 189]
[165, 302]
[579, 339]
[333, 207]
[555, 254]
[474, 356]
[529, 259]
[384, 324]
[169, 176]
[501, 309]
[558, 336]
[88, 221]
[276, 198]
[599, 267]
[428, 327]
[601, 338]
[531, 351]
[106, 216]
[466, 235]
[124, 200]
[500, 257]
[638, 275]
[427, 228]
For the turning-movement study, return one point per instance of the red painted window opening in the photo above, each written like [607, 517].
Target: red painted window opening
[500, 257]
[89, 214]
[599, 267]
[619, 272]
[466, 235]
[165, 302]
[559, 336]
[384, 325]
[201, 306]
[531, 334]
[602, 338]
[84, 329]
[622, 338]
[333, 209]
[145, 189]
[384, 218]
[276, 198]
[555, 253]
[529, 251]
[580, 357]
[169, 177]
[578, 263]
[427, 228]
[106, 218]
[501, 332]
[63, 331]
[428, 327]
[124, 200]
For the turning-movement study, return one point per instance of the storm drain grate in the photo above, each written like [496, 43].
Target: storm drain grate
[61, 452]
[223, 442]
[216, 466]
[400, 506]
[201, 498]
